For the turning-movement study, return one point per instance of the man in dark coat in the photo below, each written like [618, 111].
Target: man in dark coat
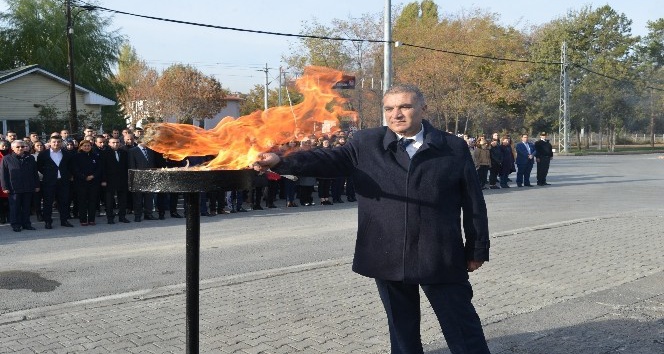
[525, 159]
[19, 179]
[115, 179]
[142, 158]
[544, 154]
[412, 183]
[55, 164]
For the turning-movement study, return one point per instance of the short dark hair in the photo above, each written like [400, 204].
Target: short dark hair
[407, 88]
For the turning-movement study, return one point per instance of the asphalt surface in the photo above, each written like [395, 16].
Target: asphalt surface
[576, 267]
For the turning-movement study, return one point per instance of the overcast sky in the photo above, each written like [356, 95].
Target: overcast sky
[235, 58]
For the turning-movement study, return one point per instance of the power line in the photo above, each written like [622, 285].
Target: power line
[90, 7]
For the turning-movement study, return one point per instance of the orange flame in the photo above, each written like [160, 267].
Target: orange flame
[238, 142]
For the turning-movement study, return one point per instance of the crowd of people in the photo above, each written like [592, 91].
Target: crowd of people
[496, 159]
[88, 178]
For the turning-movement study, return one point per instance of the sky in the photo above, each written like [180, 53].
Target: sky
[238, 59]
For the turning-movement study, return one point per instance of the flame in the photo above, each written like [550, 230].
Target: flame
[236, 143]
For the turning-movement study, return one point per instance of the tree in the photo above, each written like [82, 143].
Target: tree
[184, 93]
[601, 52]
[651, 54]
[34, 32]
[136, 83]
[464, 93]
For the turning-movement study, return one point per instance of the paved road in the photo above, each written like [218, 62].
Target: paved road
[576, 267]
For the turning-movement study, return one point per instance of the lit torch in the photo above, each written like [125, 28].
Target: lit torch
[236, 143]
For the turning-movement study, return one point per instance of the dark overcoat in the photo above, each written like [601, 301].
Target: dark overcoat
[410, 211]
[115, 173]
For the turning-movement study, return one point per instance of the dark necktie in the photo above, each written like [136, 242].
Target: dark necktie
[403, 143]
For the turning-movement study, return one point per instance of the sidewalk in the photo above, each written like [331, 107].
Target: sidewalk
[581, 286]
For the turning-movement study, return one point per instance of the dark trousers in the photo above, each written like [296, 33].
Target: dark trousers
[305, 195]
[493, 175]
[272, 190]
[324, 187]
[337, 188]
[143, 203]
[19, 209]
[4, 209]
[543, 169]
[59, 192]
[110, 202]
[88, 200]
[169, 202]
[350, 189]
[289, 188]
[482, 173]
[257, 196]
[460, 323]
[523, 173]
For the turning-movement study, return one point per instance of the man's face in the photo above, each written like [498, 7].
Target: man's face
[506, 141]
[138, 133]
[113, 143]
[11, 137]
[34, 137]
[56, 144]
[524, 138]
[89, 132]
[64, 134]
[115, 134]
[100, 142]
[403, 113]
[19, 148]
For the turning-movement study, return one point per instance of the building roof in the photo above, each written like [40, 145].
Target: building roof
[91, 97]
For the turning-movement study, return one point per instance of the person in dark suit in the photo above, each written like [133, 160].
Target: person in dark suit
[412, 182]
[55, 164]
[543, 155]
[525, 158]
[87, 182]
[115, 177]
[19, 180]
[141, 158]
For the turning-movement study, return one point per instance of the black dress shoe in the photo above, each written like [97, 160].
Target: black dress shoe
[66, 224]
[137, 219]
[337, 201]
[29, 228]
[111, 222]
[162, 217]
[257, 207]
[149, 217]
[124, 220]
[352, 200]
[48, 225]
[242, 210]
[176, 215]
[271, 206]
[16, 229]
[528, 185]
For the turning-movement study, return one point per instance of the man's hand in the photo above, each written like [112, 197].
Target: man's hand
[266, 161]
[473, 265]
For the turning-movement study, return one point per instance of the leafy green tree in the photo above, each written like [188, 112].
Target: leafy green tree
[34, 32]
[651, 58]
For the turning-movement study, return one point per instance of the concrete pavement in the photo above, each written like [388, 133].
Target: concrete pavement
[572, 283]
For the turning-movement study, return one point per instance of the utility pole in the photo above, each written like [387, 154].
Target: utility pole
[266, 70]
[387, 49]
[280, 72]
[73, 118]
[563, 115]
